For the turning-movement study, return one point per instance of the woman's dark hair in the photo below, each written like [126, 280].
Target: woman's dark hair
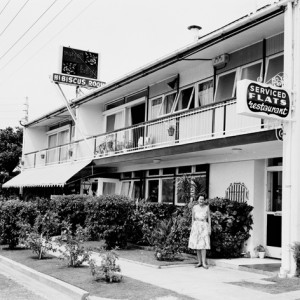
[202, 195]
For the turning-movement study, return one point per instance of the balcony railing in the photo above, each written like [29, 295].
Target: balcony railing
[210, 122]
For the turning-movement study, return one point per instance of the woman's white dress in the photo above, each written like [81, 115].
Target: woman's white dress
[199, 236]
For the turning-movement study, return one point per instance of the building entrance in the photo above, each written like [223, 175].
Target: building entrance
[274, 212]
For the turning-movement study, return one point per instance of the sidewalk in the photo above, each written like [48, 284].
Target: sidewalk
[199, 283]
[214, 283]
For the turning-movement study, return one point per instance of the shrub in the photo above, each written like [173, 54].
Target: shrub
[108, 217]
[295, 247]
[108, 269]
[231, 222]
[71, 245]
[171, 236]
[15, 214]
[38, 238]
[145, 218]
[69, 209]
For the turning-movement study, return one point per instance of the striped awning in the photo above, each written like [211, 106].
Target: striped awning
[54, 175]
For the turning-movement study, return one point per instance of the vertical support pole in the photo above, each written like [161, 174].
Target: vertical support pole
[290, 148]
[74, 117]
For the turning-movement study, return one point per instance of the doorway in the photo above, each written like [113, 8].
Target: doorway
[274, 211]
[137, 117]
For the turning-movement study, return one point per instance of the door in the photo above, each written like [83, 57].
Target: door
[137, 117]
[274, 213]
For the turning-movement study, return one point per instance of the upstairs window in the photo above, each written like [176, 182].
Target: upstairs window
[205, 92]
[115, 121]
[225, 86]
[274, 67]
[251, 72]
[168, 104]
[155, 105]
[185, 99]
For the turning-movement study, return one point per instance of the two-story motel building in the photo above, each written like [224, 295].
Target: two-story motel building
[178, 116]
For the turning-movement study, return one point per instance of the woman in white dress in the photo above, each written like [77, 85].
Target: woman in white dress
[200, 232]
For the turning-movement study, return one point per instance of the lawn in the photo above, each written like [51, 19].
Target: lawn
[144, 256]
[127, 289]
[273, 285]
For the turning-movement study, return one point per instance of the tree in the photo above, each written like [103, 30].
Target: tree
[10, 151]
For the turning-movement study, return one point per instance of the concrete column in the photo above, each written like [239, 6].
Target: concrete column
[295, 159]
[291, 144]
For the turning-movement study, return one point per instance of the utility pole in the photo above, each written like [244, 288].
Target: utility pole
[25, 110]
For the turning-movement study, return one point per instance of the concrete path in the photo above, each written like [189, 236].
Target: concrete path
[202, 284]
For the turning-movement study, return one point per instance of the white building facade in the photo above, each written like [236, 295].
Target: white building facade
[177, 116]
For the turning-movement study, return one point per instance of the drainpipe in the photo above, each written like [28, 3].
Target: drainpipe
[290, 148]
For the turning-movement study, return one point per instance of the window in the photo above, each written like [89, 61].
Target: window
[136, 190]
[114, 121]
[167, 190]
[109, 188]
[184, 169]
[154, 172]
[205, 92]
[57, 138]
[168, 104]
[153, 187]
[225, 86]
[274, 67]
[155, 105]
[251, 72]
[185, 99]
[125, 188]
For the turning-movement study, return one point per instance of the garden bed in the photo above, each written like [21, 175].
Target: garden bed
[129, 288]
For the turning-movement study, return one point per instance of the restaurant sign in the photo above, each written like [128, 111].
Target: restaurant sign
[262, 100]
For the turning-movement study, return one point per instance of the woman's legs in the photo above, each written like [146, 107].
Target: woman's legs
[199, 258]
[203, 256]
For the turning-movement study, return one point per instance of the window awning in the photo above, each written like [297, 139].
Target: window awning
[54, 175]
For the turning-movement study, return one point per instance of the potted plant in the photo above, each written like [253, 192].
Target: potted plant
[261, 251]
[171, 130]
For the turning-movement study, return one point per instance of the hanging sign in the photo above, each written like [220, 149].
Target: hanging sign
[262, 100]
[79, 68]
[79, 63]
[78, 81]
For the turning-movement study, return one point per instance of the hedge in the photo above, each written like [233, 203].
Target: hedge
[118, 220]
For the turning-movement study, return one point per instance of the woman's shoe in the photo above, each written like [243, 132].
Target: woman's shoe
[205, 267]
[198, 266]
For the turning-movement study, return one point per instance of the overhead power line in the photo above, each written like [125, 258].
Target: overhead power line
[38, 33]
[4, 7]
[14, 17]
[18, 40]
[50, 40]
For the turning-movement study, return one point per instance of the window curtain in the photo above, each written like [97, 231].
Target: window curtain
[205, 94]
[109, 188]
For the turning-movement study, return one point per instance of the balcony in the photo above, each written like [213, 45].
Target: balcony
[213, 121]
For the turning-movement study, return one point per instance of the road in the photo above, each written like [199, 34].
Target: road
[11, 289]
[15, 285]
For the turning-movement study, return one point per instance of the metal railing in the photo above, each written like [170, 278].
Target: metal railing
[204, 123]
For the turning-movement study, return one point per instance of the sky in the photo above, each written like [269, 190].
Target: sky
[127, 34]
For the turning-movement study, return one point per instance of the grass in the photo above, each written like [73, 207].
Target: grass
[144, 256]
[129, 288]
[276, 286]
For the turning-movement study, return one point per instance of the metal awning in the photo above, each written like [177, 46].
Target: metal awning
[54, 175]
